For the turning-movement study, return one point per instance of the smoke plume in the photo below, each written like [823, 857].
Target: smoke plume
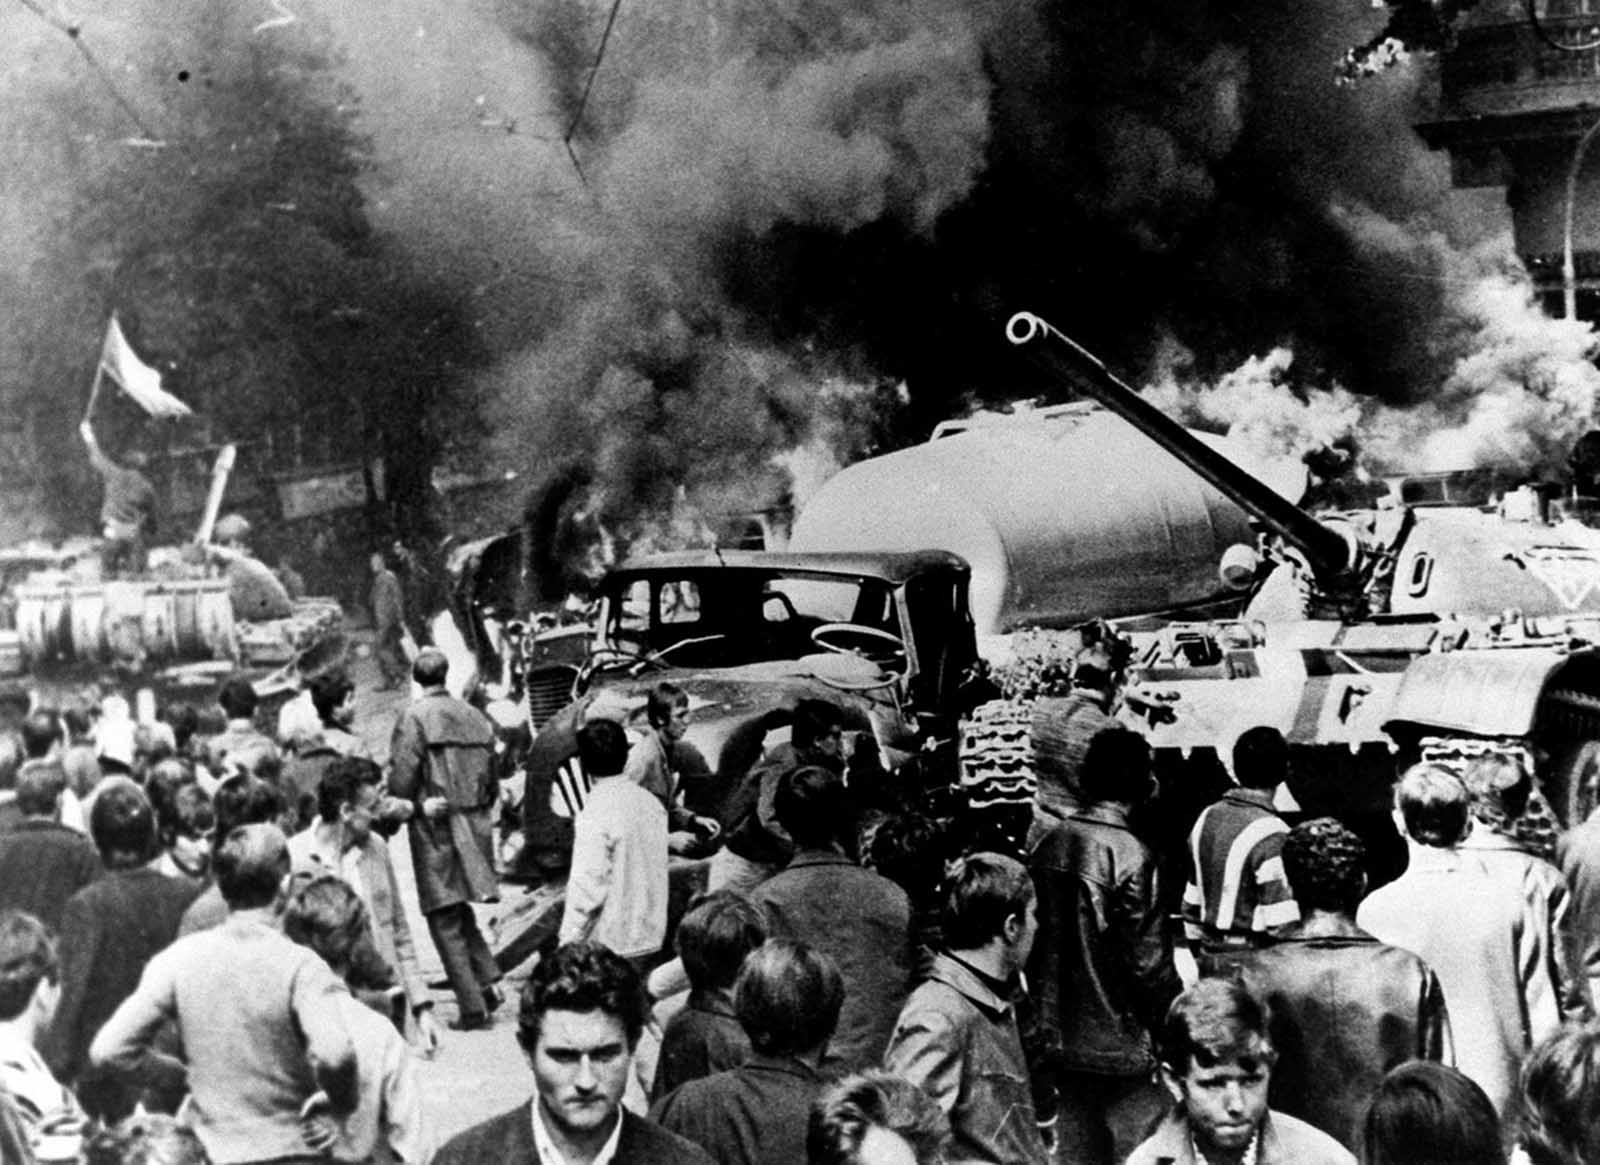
[709, 249]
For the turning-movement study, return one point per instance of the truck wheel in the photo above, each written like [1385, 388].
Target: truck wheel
[996, 781]
[1574, 787]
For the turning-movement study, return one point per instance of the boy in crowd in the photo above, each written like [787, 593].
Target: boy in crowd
[29, 991]
[716, 934]
[1216, 1062]
[327, 916]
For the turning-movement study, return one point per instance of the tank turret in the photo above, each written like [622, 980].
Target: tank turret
[1440, 626]
[1404, 559]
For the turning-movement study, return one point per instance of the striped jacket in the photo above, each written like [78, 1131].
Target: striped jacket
[1236, 882]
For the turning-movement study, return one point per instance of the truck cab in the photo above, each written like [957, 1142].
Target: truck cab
[888, 638]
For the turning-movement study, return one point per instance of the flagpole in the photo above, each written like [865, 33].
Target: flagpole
[94, 390]
[99, 372]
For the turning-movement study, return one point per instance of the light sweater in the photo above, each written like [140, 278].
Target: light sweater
[617, 891]
[260, 1023]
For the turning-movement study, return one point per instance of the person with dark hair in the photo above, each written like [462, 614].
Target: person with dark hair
[333, 695]
[1423, 1113]
[705, 1036]
[1236, 895]
[442, 763]
[1557, 1116]
[186, 823]
[582, 1011]
[327, 916]
[1216, 1063]
[1063, 726]
[146, 1139]
[861, 920]
[875, 1118]
[110, 930]
[787, 998]
[1483, 927]
[1102, 967]
[1338, 995]
[957, 1036]
[756, 846]
[388, 604]
[617, 890]
[43, 741]
[341, 842]
[240, 746]
[29, 991]
[43, 862]
[259, 1019]
[666, 764]
[240, 800]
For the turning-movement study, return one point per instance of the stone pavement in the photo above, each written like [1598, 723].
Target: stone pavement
[478, 1074]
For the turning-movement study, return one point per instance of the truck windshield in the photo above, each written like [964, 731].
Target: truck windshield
[728, 618]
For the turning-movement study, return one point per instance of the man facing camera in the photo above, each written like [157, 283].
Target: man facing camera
[1216, 1062]
[582, 1011]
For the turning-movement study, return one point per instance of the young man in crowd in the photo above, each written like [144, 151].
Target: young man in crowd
[29, 990]
[110, 931]
[43, 862]
[875, 1118]
[716, 934]
[327, 916]
[663, 762]
[1216, 1062]
[787, 998]
[957, 1035]
[1475, 919]
[757, 846]
[341, 842]
[1237, 895]
[442, 763]
[259, 1019]
[1102, 967]
[582, 1011]
[859, 919]
[1337, 995]
[617, 890]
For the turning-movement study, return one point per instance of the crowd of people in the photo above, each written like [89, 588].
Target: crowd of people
[205, 955]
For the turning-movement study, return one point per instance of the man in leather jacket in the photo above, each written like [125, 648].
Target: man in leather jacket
[1102, 964]
[1338, 996]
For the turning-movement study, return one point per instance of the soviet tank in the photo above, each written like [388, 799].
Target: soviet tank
[1372, 637]
[196, 614]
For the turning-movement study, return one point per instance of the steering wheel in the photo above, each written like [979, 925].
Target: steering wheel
[896, 646]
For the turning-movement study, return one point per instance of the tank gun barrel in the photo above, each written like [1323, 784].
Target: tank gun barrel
[1326, 550]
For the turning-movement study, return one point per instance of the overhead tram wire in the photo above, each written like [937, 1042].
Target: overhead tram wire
[74, 33]
[588, 88]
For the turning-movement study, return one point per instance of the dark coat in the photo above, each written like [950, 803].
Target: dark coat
[1346, 1008]
[444, 747]
[507, 1139]
[703, 1037]
[861, 920]
[42, 864]
[958, 1041]
[1102, 965]
[755, 1114]
[109, 931]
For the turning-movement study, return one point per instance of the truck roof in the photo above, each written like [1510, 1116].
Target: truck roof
[892, 567]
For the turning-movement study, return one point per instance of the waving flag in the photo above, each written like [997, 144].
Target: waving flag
[138, 379]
